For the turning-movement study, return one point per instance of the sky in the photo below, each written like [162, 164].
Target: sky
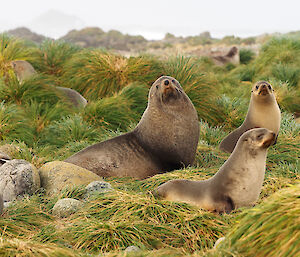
[153, 18]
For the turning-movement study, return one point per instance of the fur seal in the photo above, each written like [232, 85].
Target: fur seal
[24, 71]
[263, 112]
[237, 183]
[165, 139]
[231, 57]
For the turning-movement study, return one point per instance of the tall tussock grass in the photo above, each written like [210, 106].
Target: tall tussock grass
[121, 219]
[270, 228]
[97, 73]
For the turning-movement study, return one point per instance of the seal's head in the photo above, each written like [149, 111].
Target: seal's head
[256, 139]
[166, 90]
[262, 89]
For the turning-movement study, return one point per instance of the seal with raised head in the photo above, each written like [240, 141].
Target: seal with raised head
[263, 112]
[237, 183]
[24, 71]
[165, 139]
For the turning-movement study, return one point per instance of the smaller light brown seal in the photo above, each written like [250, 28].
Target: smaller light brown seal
[237, 183]
[263, 112]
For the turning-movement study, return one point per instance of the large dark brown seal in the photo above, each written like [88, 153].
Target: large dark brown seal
[165, 139]
[237, 183]
[24, 71]
[263, 112]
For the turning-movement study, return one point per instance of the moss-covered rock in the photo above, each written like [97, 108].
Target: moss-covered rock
[57, 175]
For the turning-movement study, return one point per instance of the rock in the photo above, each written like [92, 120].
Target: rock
[4, 158]
[221, 239]
[98, 187]
[1, 203]
[18, 177]
[65, 207]
[7, 204]
[132, 248]
[57, 175]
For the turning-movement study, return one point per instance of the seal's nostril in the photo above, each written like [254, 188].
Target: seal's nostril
[166, 82]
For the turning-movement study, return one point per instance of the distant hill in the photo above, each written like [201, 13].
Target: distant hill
[26, 34]
[96, 37]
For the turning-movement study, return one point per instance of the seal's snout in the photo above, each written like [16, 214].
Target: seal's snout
[270, 140]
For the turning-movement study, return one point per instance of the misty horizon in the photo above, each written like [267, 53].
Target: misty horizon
[56, 18]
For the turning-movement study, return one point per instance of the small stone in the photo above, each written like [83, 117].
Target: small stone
[132, 248]
[98, 187]
[7, 204]
[65, 207]
[221, 239]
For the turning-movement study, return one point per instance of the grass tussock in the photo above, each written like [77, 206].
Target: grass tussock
[97, 74]
[121, 219]
[271, 227]
[16, 247]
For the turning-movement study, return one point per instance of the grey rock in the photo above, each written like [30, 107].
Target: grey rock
[4, 158]
[17, 178]
[65, 207]
[98, 187]
[7, 204]
[221, 239]
[132, 248]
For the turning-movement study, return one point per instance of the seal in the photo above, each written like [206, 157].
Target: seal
[237, 183]
[231, 57]
[263, 112]
[165, 139]
[24, 71]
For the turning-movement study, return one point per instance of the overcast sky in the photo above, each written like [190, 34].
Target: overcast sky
[153, 18]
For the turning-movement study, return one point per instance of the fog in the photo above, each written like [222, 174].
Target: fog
[153, 19]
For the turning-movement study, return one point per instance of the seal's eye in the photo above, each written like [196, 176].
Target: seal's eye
[269, 87]
[256, 87]
[259, 136]
[156, 86]
[173, 81]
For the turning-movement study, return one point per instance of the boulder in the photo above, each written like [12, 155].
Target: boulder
[66, 206]
[98, 187]
[18, 177]
[57, 175]
[4, 158]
